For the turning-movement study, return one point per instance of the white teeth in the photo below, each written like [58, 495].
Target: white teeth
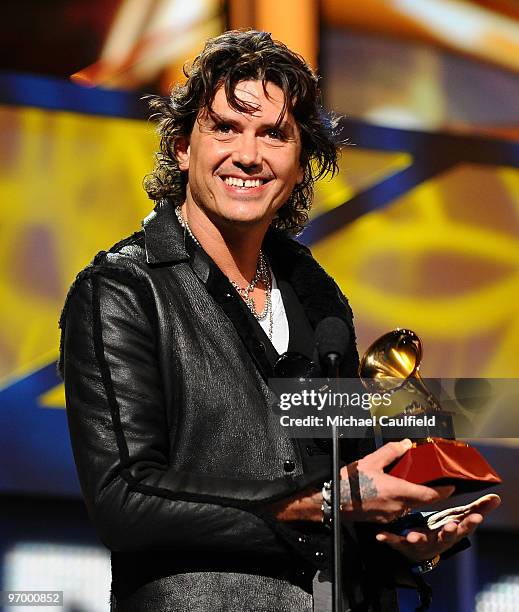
[237, 182]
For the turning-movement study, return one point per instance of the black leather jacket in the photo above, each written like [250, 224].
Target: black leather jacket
[177, 450]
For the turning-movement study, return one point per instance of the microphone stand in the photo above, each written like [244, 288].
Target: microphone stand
[333, 360]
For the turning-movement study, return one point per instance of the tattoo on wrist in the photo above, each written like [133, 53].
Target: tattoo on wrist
[358, 489]
[355, 491]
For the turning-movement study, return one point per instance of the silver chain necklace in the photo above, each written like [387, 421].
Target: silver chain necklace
[262, 274]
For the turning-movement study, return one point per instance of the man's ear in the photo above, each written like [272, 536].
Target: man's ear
[182, 151]
[300, 175]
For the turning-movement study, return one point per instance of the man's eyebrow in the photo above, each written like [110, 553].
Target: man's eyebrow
[217, 118]
[285, 126]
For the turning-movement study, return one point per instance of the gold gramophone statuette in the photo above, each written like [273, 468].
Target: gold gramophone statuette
[391, 365]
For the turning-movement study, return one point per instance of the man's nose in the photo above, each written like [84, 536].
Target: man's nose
[247, 152]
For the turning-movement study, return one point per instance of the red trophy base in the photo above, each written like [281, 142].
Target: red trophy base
[436, 462]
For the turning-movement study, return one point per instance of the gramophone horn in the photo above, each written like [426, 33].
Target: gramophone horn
[391, 360]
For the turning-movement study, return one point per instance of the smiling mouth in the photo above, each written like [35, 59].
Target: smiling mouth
[243, 183]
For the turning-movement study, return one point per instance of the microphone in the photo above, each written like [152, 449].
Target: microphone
[332, 337]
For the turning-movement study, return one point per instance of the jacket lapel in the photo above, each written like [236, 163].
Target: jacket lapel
[318, 293]
[167, 243]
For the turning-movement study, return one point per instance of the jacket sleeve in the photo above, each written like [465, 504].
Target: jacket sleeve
[119, 433]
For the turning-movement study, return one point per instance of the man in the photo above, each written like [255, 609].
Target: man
[168, 341]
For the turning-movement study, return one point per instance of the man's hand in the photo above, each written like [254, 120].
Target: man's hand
[421, 544]
[367, 492]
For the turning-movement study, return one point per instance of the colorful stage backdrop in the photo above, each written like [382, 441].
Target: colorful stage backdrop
[420, 231]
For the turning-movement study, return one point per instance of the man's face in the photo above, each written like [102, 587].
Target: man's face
[241, 167]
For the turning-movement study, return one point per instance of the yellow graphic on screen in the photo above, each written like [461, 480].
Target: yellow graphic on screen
[359, 169]
[442, 260]
[71, 186]
[55, 398]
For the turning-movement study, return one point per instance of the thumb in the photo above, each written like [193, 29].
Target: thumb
[388, 453]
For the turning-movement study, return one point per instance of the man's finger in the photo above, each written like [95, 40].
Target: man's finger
[411, 550]
[390, 538]
[444, 492]
[453, 532]
[415, 495]
[469, 524]
[450, 532]
[385, 455]
[417, 537]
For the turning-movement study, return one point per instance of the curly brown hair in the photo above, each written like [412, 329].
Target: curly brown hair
[225, 61]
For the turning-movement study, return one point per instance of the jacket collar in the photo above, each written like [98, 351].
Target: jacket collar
[165, 241]
[163, 236]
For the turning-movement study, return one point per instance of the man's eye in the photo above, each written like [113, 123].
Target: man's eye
[223, 128]
[275, 134]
